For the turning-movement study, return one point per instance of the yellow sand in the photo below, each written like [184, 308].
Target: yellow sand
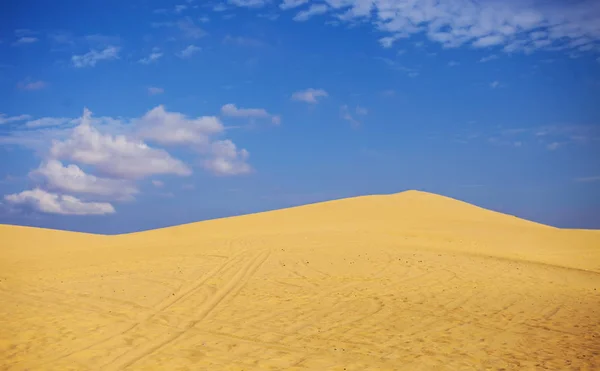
[411, 281]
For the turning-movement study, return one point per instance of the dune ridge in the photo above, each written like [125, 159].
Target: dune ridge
[408, 281]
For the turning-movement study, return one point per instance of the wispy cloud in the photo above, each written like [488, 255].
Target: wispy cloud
[488, 58]
[249, 3]
[588, 179]
[189, 51]
[25, 40]
[487, 41]
[243, 41]
[8, 119]
[31, 85]
[315, 9]
[411, 72]
[388, 93]
[231, 110]
[494, 84]
[186, 26]
[48, 122]
[309, 95]
[94, 56]
[153, 57]
[290, 4]
[347, 115]
[153, 90]
[25, 36]
[550, 137]
[190, 29]
[514, 27]
[219, 8]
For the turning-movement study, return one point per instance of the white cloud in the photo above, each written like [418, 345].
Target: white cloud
[153, 90]
[158, 183]
[453, 64]
[553, 146]
[153, 57]
[309, 95]
[315, 9]
[21, 32]
[180, 8]
[231, 110]
[553, 137]
[361, 110]
[25, 40]
[399, 67]
[249, 3]
[31, 85]
[518, 26]
[494, 84]
[290, 4]
[346, 115]
[106, 158]
[276, 120]
[92, 57]
[226, 159]
[48, 121]
[189, 51]
[489, 40]
[71, 179]
[387, 41]
[488, 58]
[588, 179]
[243, 41]
[189, 29]
[173, 128]
[53, 203]
[8, 119]
[116, 156]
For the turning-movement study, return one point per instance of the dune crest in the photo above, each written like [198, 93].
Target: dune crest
[408, 281]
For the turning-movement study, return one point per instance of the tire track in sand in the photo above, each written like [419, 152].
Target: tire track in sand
[227, 291]
[164, 304]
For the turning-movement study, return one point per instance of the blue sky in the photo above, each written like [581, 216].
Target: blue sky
[118, 116]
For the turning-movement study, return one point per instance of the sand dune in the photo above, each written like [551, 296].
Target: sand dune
[411, 281]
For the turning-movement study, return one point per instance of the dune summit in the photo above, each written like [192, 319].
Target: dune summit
[410, 281]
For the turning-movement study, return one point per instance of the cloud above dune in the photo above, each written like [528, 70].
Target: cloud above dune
[173, 128]
[104, 157]
[117, 156]
[72, 179]
[53, 203]
[226, 159]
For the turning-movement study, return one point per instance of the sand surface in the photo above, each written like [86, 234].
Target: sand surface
[411, 281]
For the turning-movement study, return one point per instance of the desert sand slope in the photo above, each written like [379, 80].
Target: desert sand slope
[411, 281]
